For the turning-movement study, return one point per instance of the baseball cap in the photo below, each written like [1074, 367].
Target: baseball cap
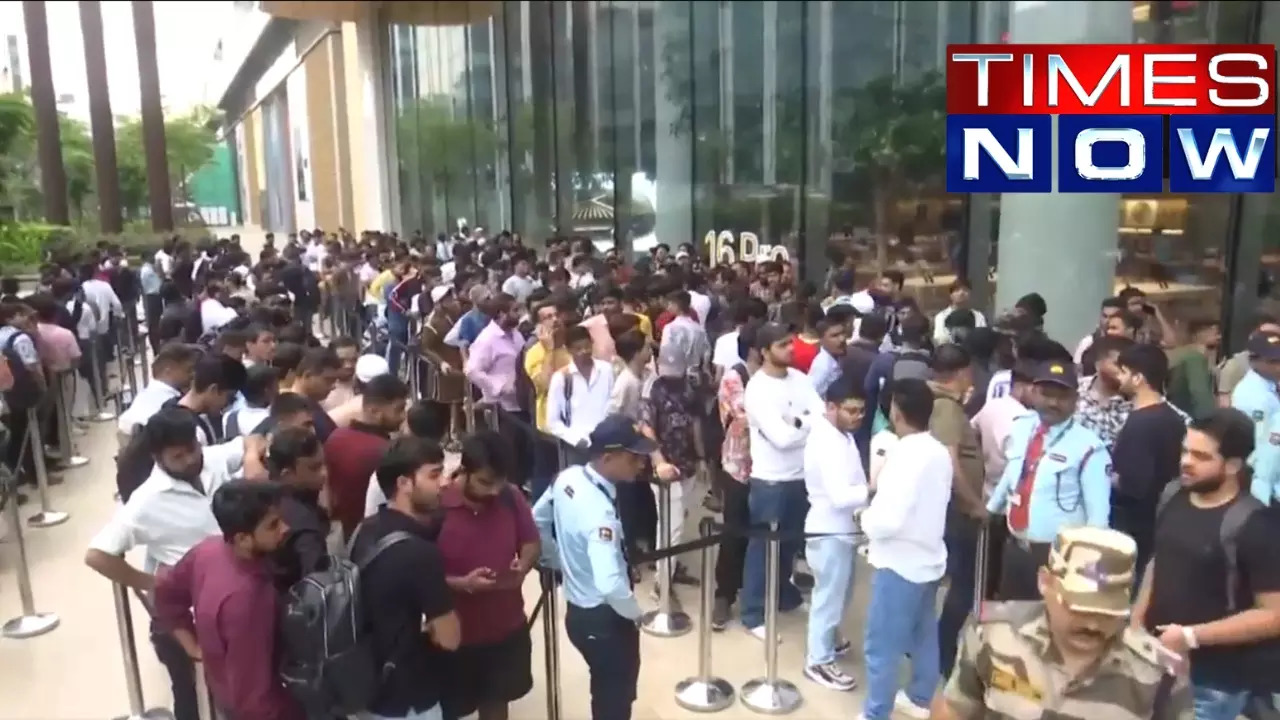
[1056, 372]
[439, 292]
[369, 367]
[863, 302]
[770, 333]
[1094, 568]
[1264, 345]
[617, 432]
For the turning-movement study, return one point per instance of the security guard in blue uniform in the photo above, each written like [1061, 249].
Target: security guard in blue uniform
[1058, 476]
[1256, 394]
[581, 533]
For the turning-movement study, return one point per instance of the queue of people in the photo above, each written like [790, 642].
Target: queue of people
[1097, 522]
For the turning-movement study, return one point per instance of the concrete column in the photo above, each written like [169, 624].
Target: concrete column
[1062, 246]
[674, 222]
[158, 193]
[53, 176]
[101, 121]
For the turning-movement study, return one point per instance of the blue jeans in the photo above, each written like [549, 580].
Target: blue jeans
[397, 338]
[832, 562]
[901, 620]
[785, 503]
[1213, 704]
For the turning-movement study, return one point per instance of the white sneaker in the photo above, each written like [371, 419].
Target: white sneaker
[757, 632]
[831, 676]
[906, 706]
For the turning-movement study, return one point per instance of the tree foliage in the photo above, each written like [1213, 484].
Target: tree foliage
[190, 140]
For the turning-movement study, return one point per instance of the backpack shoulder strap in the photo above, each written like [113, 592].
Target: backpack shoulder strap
[741, 369]
[1233, 522]
[381, 546]
[1167, 494]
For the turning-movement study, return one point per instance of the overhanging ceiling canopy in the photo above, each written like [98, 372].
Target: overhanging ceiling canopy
[401, 13]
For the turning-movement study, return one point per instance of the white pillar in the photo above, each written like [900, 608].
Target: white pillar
[1062, 246]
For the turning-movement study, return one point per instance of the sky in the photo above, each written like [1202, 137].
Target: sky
[187, 34]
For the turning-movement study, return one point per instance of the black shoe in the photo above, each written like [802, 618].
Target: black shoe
[721, 614]
[682, 577]
[803, 581]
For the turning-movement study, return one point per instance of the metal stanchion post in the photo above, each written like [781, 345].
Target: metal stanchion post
[705, 692]
[770, 695]
[468, 410]
[665, 620]
[551, 643]
[980, 568]
[208, 708]
[47, 517]
[124, 363]
[62, 406]
[129, 651]
[98, 387]
[30, 623]
[415, 377]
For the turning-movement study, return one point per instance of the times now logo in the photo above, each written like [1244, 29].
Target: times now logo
[1128, 117]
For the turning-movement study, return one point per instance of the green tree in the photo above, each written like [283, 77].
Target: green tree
[189, 144]
[77, 161]
[893, 132]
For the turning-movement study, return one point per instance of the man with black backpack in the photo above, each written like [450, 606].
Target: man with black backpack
[377, 650]
[1211, 593]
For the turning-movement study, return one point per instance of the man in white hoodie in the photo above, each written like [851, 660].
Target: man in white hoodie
[837, 487]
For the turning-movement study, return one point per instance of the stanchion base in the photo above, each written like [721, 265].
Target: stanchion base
[29, 626]
[771, 698]
[665, 624]
[152, 714]
[47, 519]
[699, 695]
[76, 461]
[102, 416]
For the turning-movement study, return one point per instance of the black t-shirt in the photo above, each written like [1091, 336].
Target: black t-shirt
[1190, 587]
[402, 589]
[304, 549]
[1148, 453]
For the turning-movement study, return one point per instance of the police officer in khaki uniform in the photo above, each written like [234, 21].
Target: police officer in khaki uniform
[1072, 656]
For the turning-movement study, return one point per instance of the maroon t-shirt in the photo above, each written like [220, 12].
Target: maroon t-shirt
[352, 455]
[489, 537]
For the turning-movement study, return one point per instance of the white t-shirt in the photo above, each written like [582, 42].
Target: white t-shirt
[725, 354]
[700, 304]
[214, 315]
[905, 519]
[773, 406]
[833, 480]
[881, 444]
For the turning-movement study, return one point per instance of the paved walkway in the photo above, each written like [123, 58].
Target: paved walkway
[75, 672]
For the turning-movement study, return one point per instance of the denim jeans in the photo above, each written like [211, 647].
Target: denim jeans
[832, 562]
[785, 503]
[901, 620]
[397, 338]
[1213, 704]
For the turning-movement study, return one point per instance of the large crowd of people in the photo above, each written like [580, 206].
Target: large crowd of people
[352, 452]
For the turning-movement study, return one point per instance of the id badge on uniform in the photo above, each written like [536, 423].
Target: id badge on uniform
[1015, 499]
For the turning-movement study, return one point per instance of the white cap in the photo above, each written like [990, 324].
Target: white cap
[369, 367]
[862, 302]
[438, 292]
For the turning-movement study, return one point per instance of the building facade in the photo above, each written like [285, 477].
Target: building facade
[778, 128]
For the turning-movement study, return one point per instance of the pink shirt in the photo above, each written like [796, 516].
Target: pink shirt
[993, 423]
[58, 347]
[601, 341]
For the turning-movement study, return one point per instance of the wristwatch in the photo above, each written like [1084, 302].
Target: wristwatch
[1189, 636]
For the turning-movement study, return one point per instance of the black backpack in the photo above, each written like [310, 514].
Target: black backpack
[328, 661]
[25, 393]
[1233, 521]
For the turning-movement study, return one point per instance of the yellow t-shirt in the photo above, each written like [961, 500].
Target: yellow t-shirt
[534, 358]
[379, 286]
[646, 325]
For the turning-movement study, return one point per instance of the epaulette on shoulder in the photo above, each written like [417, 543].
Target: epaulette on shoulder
[1014, 612]
[1145, 645]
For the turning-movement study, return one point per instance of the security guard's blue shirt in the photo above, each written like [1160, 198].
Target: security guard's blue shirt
[582, 536]
[1256, 397]
[1266, 462]
[1072, 482]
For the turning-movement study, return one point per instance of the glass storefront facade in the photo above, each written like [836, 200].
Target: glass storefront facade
[813, 126]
